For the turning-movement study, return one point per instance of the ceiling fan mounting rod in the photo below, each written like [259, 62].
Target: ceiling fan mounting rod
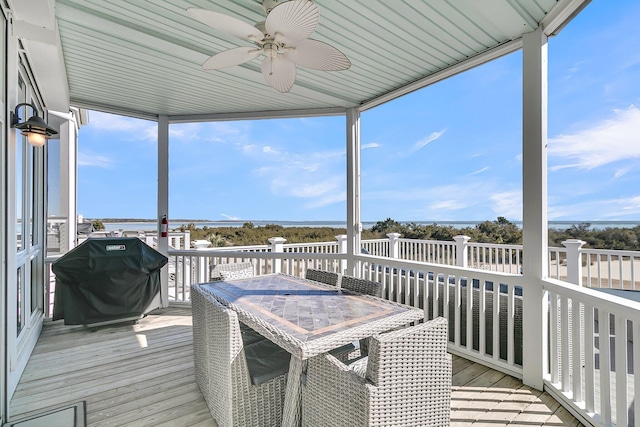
[268, 5]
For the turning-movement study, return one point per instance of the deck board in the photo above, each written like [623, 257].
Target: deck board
[142, 375]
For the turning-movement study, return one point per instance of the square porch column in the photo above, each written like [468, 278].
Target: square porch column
[534, 207]
[163, 202]
[354, 222]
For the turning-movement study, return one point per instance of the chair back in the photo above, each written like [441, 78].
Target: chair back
[363, 286]
[237, 270]
[322, 276]
[410, 359]
[224, 366]
[217, 341]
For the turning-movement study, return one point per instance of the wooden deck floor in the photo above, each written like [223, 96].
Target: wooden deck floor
[142, 375]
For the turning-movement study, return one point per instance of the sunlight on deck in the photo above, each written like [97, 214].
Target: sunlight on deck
[142, 375]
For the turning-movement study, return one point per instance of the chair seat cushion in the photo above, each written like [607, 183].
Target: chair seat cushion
[359, 366]
[345, 349]
[249, 336]
[266, 360]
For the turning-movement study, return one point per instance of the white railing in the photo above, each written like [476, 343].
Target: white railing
[432, 251]
[188, 267]
[475, 302]
[484, 307]
[593, 360]
[315, 248]
[610, 269]
[558, 263]
[494, 257]
[377, 247]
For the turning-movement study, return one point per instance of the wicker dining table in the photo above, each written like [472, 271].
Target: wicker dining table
[307, 318]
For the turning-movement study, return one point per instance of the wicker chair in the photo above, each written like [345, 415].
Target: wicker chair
[405, 381]
[362, 286]
[222, 372]
[231, 271]
[322, 276]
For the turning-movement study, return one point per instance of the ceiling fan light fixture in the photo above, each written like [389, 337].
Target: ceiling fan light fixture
[282, 38]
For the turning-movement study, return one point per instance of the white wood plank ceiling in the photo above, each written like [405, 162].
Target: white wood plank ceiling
[144, 57]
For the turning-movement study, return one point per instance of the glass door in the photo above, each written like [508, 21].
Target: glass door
[25, 281]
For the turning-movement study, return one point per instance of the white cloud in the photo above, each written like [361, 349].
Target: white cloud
[429, 139]
[602, 143]
[484, 169]
[269, 150]
[210, 132]
[318, 178]
[133, 128]
[91, 159]
[249, 148]
[370, 145]
[233, 218]
[622, 208]
[507, 204]
[620, 172]
[326, 200]
[474, 200]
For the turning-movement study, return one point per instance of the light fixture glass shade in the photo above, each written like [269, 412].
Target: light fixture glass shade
[35, 139]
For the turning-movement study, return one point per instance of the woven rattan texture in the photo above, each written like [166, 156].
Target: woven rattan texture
[322, 276]
[232, 271]
[363, 286]
[221, 369]
[408, 383]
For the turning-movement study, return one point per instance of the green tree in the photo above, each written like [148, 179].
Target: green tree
[386, 226]
[97, 224]
[216, 240]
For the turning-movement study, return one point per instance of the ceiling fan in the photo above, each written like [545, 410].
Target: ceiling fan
[282, 38]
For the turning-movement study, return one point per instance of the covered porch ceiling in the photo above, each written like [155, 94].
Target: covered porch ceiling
[144, 58]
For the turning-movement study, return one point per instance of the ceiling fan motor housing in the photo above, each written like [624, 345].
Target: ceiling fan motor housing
[268, 5]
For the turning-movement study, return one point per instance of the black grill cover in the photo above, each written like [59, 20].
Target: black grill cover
[106, 279]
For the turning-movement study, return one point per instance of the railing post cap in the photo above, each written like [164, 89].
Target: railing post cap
[393, 235]
[277, 240]
[574, 242]
[461, 238]
[341, 237]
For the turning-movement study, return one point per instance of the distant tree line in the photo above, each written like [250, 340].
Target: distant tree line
[500, 231]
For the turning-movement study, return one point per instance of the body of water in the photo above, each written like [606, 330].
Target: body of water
[150, 225]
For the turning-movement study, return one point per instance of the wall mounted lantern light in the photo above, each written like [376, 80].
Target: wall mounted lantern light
[35, 129]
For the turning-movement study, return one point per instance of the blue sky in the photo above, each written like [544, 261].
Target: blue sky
[449, 152]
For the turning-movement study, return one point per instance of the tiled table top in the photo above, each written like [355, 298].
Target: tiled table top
[313, 316]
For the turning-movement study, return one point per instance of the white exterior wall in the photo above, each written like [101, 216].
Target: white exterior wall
[32, 36]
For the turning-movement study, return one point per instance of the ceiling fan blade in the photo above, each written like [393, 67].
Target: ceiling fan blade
[231, 57]
[292, 21]
[318, 56]
[279, 73]
[225, 23]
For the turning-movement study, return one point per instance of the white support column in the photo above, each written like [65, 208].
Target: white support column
[534, 206]
[68, 185]
[163, 202]
[354, 222]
